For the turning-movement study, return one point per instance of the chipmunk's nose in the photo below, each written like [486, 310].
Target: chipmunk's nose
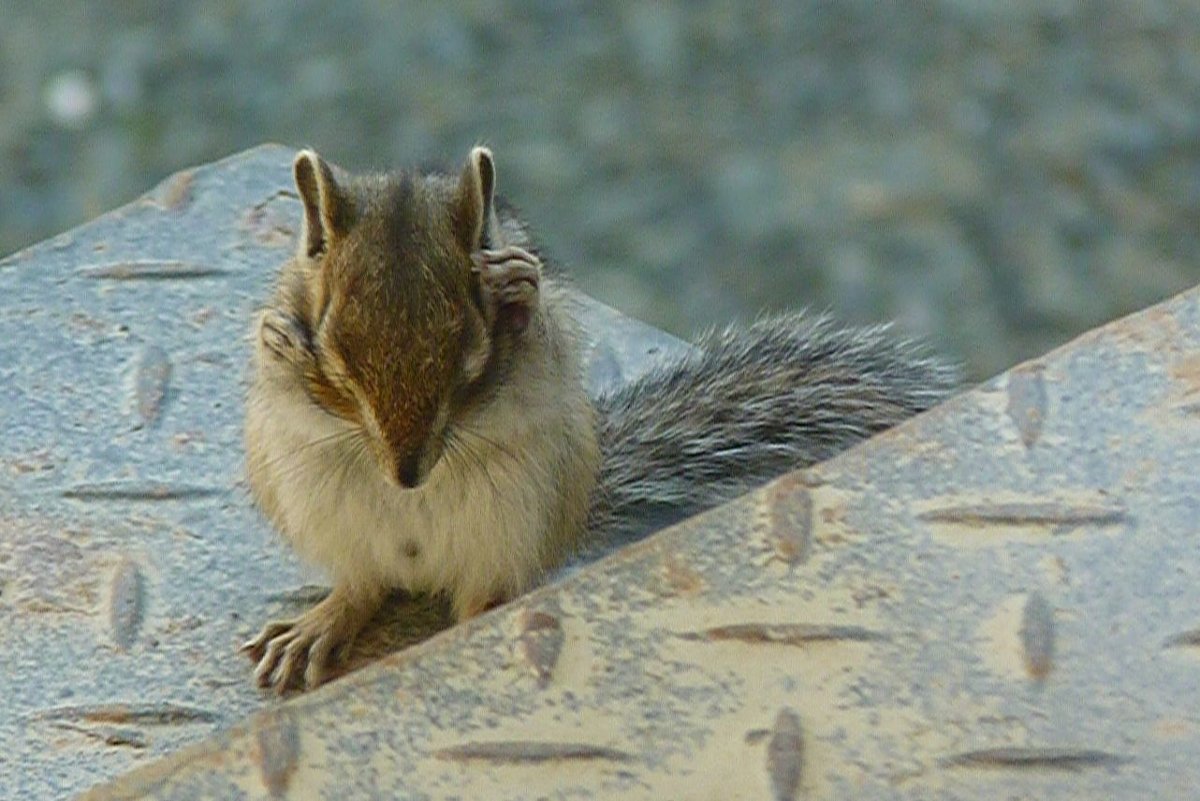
[408, 471]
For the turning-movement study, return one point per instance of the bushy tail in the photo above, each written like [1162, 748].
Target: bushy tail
[746, 406]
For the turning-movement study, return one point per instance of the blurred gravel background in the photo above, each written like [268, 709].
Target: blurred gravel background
[999, 175]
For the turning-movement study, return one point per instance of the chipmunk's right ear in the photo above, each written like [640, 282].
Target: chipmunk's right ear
[326, 207]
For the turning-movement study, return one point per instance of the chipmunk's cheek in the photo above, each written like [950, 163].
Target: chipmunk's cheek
[387, 462]
[432, 456]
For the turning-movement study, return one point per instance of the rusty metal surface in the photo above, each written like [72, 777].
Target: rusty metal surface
[131, 562]
[1000, 599]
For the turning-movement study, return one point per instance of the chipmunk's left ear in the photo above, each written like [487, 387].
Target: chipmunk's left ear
[475, 212]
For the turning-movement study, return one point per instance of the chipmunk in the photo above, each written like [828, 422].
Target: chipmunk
[418, 418]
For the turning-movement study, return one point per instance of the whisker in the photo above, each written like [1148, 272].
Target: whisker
[488, 440]
[315, 443]
[543, 469]
[286, 465]
[473, 459]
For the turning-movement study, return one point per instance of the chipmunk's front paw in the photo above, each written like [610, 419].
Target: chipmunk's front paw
[285, 650]
[508, 279]
[282, 335]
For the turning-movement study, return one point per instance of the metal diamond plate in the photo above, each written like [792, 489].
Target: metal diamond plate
[1000, 599]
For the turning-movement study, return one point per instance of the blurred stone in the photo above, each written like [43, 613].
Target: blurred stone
[71, 99]
[654, 30]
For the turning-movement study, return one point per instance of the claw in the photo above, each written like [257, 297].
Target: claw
[257, 646]
[319, 658]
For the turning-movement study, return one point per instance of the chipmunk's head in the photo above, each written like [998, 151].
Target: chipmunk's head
[403, 332]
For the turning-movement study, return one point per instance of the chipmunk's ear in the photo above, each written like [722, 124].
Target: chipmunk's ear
[475, 213]
[327, 209]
